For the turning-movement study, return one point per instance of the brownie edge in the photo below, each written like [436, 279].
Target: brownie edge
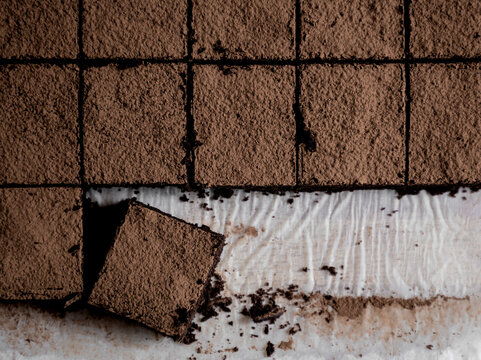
[157, 270]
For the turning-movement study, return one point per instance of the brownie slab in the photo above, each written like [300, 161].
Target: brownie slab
[237, 29]
[130, 29]
[156, 270]
[39, 124]
[40, 243]
[45, 29]
[245, 125]
[135, 122]
[355, 114]
[445, 141]
[445, 28]
[352, 29]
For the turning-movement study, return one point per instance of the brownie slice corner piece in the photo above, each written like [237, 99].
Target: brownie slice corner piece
[157, 270]
[41, 253]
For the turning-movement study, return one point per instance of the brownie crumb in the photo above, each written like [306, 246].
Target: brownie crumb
[305, 269]
[184, 198]
[270, 349]
[212, 300]
[264, 308]
[331, 269]
[429, 347]
[295, 329]
[266, 329]
[220, 192]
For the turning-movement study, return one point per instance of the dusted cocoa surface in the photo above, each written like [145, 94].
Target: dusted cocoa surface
[39, 124]
[40, 243]
[445, 28]
[255, 29]
[356, 115]
[352, 29]
[135, 124]
[130, 29]
[445, 142]
[245, 125]
[46, 29]
[156, 271]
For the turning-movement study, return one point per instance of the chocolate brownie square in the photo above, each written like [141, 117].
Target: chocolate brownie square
[39, 124]
[135, 123]
[245, 125]
[355, 116]
[40, 243]
[132, 29]
[445, 28]
[352, 29]
[38, 29]
[156, 270]
[239, 29]
[445, 141]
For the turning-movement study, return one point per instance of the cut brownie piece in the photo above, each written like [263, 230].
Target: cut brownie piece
[39, 124]
[445, 28]
[355, 116]
[131, 29]
[40, 243]
[352, 29]
[245, 125]
[46, 29]
[135, 123]
[445, 141]
[156, 270]
[239, 29]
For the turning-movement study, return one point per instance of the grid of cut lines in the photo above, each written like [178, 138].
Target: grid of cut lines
[84, 63]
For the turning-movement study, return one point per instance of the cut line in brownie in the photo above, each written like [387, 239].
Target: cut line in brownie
[41, 243]
[157, 270]
[39, 131]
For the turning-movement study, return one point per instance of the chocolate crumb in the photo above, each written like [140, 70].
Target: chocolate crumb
[331, 269]
[266, 329]
[184, 198]
[429, 347]
[213, 300]
[269, 349]
[220, 192]
[264, 308]
[295, 329]
[305, 269]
